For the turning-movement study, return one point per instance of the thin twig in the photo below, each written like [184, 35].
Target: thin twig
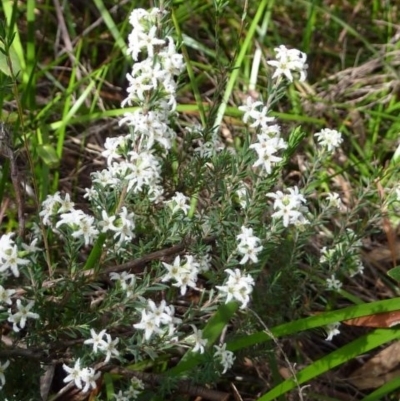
[290, 366]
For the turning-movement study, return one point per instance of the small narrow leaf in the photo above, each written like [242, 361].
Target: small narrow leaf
[48, 155]
[394, 273]
[16, 66]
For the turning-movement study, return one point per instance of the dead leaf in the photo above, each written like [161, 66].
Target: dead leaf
[378, 370]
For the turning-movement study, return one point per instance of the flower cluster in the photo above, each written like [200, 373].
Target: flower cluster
[132, 159]
[269, 140]
[18, 319]
[79, 224]
[334, 201]
[197, 339]
[289, 207]
[225, 357]
[248, 245]
[126, 280]
[289, 61]
[154, 316]
[184, 274]
[9, 258]
[104, 343]
[11, 261]
[329, 139]
[237, 287]
[132, 393]
[178, 202]
[84, 378]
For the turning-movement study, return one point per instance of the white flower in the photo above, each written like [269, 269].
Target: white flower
[332, 330]
[148, 325]
[81, 224]
[66, 205]
[107, 222]
[199, 341]
[289, 207]
[113, 147]
[50, 207]
[5, 295]
[23, 313]
[154, 316]
[158, 313]
[89, 377]
[132, 392]
[84, 378]
[179, 202]
[109, 347]
[249, 108]
[334, 200]
[329, 138]
[74, 374]
[124, 226]
[326, 255]
[356, 267]
[204, 261]
[96, 340]
[241, 193]
[226, 358]
[237, 287]
[31, 248]
[248, 245]
[9, 260]
[288, 61]
[333, 283]
[3, 367]
[260, 118]
[185, 274]
[120, 396]
[126, 280]
[266, 149]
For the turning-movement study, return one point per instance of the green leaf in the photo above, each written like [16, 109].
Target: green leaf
[394, 273]
[48, 155]
[15, 64]
[344, 354]
[323, 319]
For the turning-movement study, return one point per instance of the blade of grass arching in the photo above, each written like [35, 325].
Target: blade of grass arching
[108, 20]
[109, 386]
[182, 108]
[295, 101]
[30, 90]
[196, 45]
[373, 135]
[344, 354]
[193, 83]
[310, 27]
[385, 389]
[211, 332]
[239, 60]
[322, 319]
[71, 112]
[9, 10]
[60, 132]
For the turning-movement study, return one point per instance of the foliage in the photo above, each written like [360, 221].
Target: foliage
[209, 224]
